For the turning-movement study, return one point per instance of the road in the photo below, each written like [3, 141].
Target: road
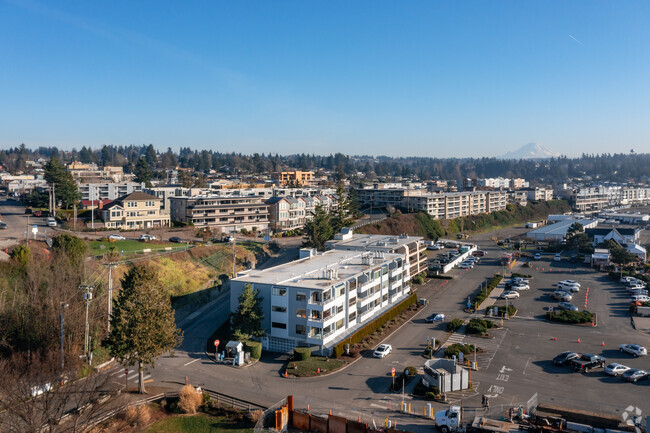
[13, 213]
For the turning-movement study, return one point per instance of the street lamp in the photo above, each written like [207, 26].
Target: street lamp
[62, 306]
[234, 255]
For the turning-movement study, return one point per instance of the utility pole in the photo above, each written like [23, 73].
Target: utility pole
[234, 256]
[92, 209]
[110, 295]
[53, 199]
[62, 305]
[27, 230]
[88, 296]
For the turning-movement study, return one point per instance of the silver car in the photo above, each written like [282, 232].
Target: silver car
[567, 306]
[561, 295]
[633, 349]
[616, 369]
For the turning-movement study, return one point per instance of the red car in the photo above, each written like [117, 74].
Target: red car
[38, 213]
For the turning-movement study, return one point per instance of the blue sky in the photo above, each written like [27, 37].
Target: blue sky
[432, 78]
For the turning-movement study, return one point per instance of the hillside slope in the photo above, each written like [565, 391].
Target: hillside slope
[421, 224]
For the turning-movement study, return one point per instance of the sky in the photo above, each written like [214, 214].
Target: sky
[416, 78]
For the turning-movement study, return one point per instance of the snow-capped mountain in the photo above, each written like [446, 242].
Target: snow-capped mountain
[531, 151]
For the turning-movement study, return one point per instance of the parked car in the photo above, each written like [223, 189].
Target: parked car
[517, 280]
[435, 318]
[3, 225]
[588, 362]
[557, 258]
[634, 375]
[635, 350]
[38, 213]
[565, 358]
[537, 256]
[382, 351]
[466, 265]
[51, 222]
[28, 211]
[616, 369]
[145, 237]
[116, 237]
[638, 292]
[520, 287]
[640, 298]
[561, 295]
[635, 286]
[175, 239]
[567, 306]
[625, 280]
[568, 283]
[567, 286]
[511, 294]
[433, 247]
[479, 253]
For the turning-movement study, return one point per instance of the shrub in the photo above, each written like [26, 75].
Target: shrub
[420, 389]
[431, 395]
[137, 415]
[412, 371]
[255, 415]
[475, 328]
[515, 274]
[189, 399]
[570, 316]
[302, 353]
[376, 324]
[454, 325]
[254, 347]
[418, 279]
[457, 348]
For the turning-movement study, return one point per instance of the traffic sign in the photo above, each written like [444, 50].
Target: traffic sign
[216, 343]
[460, 357]
[126, 371]
[34, 229]
[393, 372]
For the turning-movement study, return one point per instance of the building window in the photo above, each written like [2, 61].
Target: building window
[339, 308]
[341, 290]
[377, 274]
[315, 315]
[301, 296]
[353, 315]
[352, 284]
[385, 297]
[327, 330]
[279, 309]
[353, 300]
[340, 324]
[301, 312]
[279, 325]
[300, 329]
[279, 291]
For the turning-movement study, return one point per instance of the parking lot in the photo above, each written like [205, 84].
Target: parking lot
[522, 364]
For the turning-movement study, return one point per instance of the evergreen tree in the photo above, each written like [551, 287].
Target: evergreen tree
[65, 188]
[353, 203]
[143, 172]
[318, 230]
[142, 323]
[246, 322]
[150, 156]
[341, 215]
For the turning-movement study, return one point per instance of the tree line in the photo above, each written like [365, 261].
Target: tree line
[609, 167]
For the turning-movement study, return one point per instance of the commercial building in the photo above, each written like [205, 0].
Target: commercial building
[621, 234]
[556, 233]
[626, 217]
[137, 210]
[228, 214]
[411, 247]
[320, 299]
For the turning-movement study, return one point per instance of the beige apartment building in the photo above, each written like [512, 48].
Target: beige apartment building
[230, 213]
[137, 210]
[458, 204]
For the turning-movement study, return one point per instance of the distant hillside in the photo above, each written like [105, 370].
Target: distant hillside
[421, 224]
[531, 151]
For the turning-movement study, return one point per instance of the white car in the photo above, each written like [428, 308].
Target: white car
[466, 265]
[635, 286]
[562, 295]
[520, 287]
[569, 287]
[51, 222]
[568, 283]
[633, 349]
[557, 258]
[509, 295]
[145, 237]
[616, 369]
[382, 350]
[639, 298]
[116, 237]
[537, 256]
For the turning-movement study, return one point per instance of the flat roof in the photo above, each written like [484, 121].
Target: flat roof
[560, 227]
[374, 242]
[310, 272]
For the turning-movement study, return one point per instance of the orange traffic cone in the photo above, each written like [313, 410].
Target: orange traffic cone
[307, 406]
[603, 344]
[318, 370]
[359, 419]
[330, 411]
[578, 340]
[554, 338]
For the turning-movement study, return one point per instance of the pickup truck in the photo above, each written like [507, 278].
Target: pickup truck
[451, 420]
[588, 362]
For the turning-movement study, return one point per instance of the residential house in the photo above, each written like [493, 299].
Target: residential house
[137, 210]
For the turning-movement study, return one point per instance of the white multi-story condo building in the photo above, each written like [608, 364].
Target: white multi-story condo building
[448, 205]
[225, 213]
[108, 190]
[319, 300]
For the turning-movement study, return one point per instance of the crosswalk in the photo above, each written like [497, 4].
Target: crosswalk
[116, 373]
[455, 338]
[488, 346]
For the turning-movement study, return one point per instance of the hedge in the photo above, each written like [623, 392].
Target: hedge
[373, 326]
[419, 279]
[302, 353]
[501, 310]
[441, 277]
[254, 347]
[479, 326]
[483, 294]
[515, 274]
[570, 316]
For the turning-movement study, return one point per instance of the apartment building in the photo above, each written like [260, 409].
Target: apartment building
[228, 213]
[319, 300]
[586, 199]
[297, 177]
[495, 182]
[82, 171]
[518, 197]
[411, 247]
[539, 194]
[108, 190]
[286, 213]
[137, 210]
[164, 193]
[458, 204]
[378, 196]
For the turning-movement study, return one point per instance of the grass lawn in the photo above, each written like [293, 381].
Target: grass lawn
[310, 366]
[129, 246]
[198, 423]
